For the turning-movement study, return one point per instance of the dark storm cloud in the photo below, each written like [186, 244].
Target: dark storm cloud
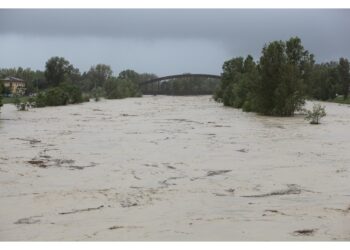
[221, 33]
[175, 23]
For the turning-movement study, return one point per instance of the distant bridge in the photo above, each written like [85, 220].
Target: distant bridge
[159, 79]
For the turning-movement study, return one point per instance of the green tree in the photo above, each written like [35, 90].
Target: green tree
[116, 88]
[97, 76]
[74, 93]
[63, 94]
[275, 86]
[232, 71]
[238, 79]
[272, 64]
[56, 97]
[57, 69]
[130, 75]
[344, 76]
[283, 81]
[40, 100]
[146, 76]
[324, 84]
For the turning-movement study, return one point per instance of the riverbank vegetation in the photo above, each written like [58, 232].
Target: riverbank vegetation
[61, 83]
[12, 100]
[280, 82]
[340, 99]
[277, 84]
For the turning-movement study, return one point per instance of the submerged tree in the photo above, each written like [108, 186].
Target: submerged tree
[315, 115]
[275, 86]
[238, 79]
[282, 68]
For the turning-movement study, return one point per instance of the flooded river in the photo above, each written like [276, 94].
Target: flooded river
[172, 168]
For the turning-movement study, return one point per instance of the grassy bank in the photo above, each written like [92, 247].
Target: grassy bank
[340, 99]
[7, 100]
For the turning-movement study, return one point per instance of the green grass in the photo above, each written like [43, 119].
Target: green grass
[340, 99]
[9, 100]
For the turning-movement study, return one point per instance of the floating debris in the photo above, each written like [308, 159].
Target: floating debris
[230, 190]
[127, 203]
[305, 232]
[30, 140]
[115, 227]
[38, 163]
[217, 172]
[28, 220]
[292, 189]
[82, 210]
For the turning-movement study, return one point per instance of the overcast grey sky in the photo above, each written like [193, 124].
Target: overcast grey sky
[164, 41]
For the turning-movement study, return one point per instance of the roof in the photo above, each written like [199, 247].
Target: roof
[13, 79]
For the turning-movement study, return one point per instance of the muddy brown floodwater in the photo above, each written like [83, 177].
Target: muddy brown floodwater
[172, 168]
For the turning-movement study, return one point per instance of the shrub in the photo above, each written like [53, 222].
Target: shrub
[21, 106]
[40, 100]
[62, 95]
[86, 98]
[23, 103]
[56, 97]
[315, 115]
[74, 93]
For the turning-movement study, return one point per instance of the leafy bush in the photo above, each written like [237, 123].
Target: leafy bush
[21, 106]
[62, 95]
[40, 100]
[315, 115]
[56, 97]
[74, 93]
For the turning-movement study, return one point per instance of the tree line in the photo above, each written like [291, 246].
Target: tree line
[61, 83]
[280, 82]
